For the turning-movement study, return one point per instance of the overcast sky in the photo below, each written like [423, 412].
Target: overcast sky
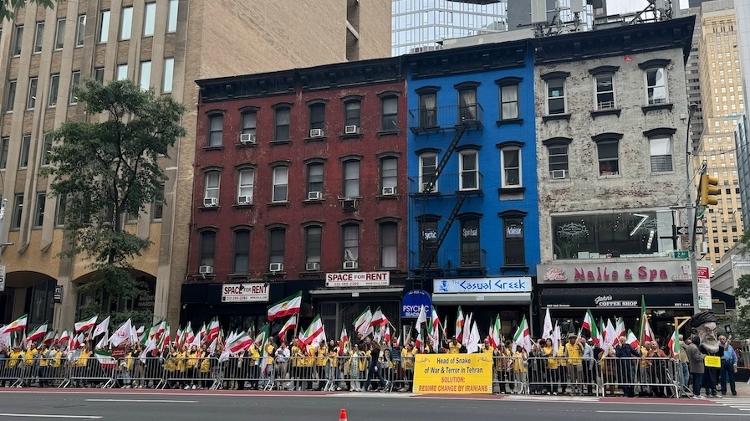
[621, 6]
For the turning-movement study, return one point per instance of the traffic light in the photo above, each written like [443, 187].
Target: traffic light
[709, 189]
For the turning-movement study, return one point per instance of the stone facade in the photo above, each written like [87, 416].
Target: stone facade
[635, 187]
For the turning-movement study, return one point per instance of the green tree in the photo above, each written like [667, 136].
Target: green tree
[8, 7]
[107, 167]
[741, 322]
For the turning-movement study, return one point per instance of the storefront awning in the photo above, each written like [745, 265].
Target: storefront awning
[479, 299]
[618, 297]
[356, 291]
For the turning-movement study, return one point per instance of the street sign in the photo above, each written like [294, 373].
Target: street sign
[682, 230]
[2, 278]
[58, 295]
[700, 230]
[681, 254]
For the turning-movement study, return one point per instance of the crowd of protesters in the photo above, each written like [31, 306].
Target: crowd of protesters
[577, 367]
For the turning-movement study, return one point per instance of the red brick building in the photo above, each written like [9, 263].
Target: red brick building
[300, 174]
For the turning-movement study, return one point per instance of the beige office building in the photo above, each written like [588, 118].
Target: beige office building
[722, 99]
[164, 45]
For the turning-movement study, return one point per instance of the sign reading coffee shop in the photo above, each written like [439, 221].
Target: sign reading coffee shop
[594, 272]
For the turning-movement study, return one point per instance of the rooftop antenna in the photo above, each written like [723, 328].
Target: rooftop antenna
[656, 10]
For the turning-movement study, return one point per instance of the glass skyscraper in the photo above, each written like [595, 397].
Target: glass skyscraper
[422, 23]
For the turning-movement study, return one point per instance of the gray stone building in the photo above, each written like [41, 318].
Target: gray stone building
[611, 134]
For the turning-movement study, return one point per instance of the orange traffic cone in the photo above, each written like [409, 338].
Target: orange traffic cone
[342, 415]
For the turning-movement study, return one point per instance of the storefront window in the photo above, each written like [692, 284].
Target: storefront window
[616, 234]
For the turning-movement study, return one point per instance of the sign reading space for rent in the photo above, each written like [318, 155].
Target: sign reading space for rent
[358, 279]
[244, 293]
[452, 373]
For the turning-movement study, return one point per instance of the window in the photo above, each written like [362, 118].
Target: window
[145, 75]
[241, 251]
[157, 207]
[54, 85]
[249, 122]
[172, 16]
[615, 234]
[208, 247]
[104, 26]
[388, 245]
[513, 243]
[46, 149]
[211, 189]
[608, 157]
[23, 157]
[41, 201]
[80, 30]
[428, 234]
[428, 110]
[168, 75]
[351, 178]
[99, 74]
[17, 211]
[17, 40]
[558, 161]
[350, 234]
[509, 102]
[389, 113]
[281, 133]
[122, 72]
[75, 80]
[60, 34]
[470, 249]
[352, 112]
[4, 144]
[39, 37]
[215, 130]
[656, 86]
[661, 154]
[605, 91]
[10, 96]
[60, 215]
[427, 169]
[149, 19]
[389, 173]
[510, 162]
[276, 245]
[126, 23]
[467, 104]
[318, 116]
[555, 96]
[31, 98]
[313, 236]
[314, 178]
[468, 164]
[245, 185]
[280, 184]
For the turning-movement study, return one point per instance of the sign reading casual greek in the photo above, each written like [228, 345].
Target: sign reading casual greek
[482, 285]
[244, 293]
[571, 272]
[452, 373]
[358, 279]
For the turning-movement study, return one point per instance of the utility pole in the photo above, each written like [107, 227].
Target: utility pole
[691, 211]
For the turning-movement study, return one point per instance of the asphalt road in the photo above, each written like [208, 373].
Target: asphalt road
[114, 406]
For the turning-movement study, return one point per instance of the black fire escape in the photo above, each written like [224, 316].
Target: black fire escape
[425, 121]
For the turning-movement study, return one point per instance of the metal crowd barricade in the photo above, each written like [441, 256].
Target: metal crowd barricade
[644, 376]
[240, 372]
[187, 372]
[560, 375]
[11, 372]
[503, 376]
[140, 373]
[89, 372]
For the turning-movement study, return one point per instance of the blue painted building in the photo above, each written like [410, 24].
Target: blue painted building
[473, 210]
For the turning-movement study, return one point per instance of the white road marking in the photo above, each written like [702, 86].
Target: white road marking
[78, 417]
[707, 414]
[141, 400]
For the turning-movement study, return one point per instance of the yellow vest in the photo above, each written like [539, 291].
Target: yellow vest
[15, 358]
[551, 362]
[454, 348]
[28, 358]
[83, 358]
[573, 353]
[322, 356]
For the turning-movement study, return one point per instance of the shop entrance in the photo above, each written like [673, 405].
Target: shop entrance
[340, 314]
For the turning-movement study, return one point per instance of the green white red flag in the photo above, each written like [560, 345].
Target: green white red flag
[290, 324]
[674, 344]
[632, 340]
[495, 330]
[243, 341]
[314, 333]
[37, 334]
[523, 335]
[459, 325]
[286, 307]
[362, 323]
[343, 342]
[18, 325]
[105, 358]
[213, 330]
[85, 325]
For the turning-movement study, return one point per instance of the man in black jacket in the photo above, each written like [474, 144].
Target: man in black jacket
[372, 367]
[626, 366]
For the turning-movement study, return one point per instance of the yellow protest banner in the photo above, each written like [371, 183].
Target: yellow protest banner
[714, 362]
[452, 373]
